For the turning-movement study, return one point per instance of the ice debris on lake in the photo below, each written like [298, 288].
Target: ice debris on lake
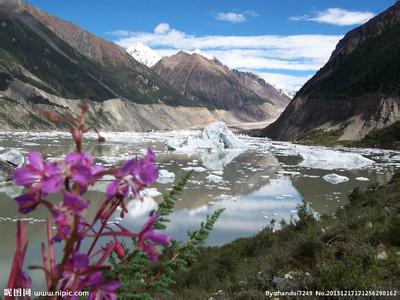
[14, 157]
[194, 169]
[165, 177]
[137, 208]
[335, 178]
[215, 136]
[330, 159]
[214, 178]
[362, 178]
[319, 157]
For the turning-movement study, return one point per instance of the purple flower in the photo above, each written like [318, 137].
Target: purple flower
[102, 289]
[64, 226]
[81, 169]
[74, 203]
[39, 174]
[148, 239]
[133, 176]
[27, 203]
[75, 267]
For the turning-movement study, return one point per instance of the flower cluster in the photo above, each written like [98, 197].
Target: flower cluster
[70, 179]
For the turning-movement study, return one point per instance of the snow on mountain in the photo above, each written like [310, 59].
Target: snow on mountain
[143, 54]
[202, 53]
[288, 92]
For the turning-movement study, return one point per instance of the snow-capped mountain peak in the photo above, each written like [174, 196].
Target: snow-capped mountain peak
[143, 54]
[202, 53]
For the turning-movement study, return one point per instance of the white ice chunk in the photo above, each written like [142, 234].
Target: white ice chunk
[11, 190]
[362, 178]
[335, 178]
[218, 172]
[150, 192]
[215, 136]
[214, 178]
[137, 208]
[165, 177]
[329, 159]
[195, 169]
[13, 156]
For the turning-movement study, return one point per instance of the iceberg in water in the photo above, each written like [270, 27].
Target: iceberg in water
[215, 145]
[165, 177]
[330, 159]
[335, 178]
[14, 157]
[138, 208]
[216, 136]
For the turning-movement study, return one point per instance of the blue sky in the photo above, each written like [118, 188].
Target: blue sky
[283, 41]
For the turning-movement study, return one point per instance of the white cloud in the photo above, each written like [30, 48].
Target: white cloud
[274, 54]
[162, 28]
[289, 82]
[337, 16]
[231, 17]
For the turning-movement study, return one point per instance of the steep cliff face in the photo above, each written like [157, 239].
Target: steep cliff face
[357, 91]
[208, 81]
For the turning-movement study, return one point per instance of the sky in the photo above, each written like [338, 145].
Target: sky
[284, 41]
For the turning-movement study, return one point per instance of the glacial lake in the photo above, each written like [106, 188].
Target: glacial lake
[267, 181]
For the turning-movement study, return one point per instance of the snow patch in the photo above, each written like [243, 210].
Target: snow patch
[143, 54]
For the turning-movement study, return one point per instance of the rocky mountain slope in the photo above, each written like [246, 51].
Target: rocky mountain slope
[208, 81]
[50, 64]
[357, 91]
[66, 61]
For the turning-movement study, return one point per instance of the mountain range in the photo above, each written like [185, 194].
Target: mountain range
[207, 80]
[357, 92]
[50, 64]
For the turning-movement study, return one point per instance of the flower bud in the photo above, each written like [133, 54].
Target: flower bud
[119, 249]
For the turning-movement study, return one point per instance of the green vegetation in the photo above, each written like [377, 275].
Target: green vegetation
[139, 276]
[358, 248]
[322, 137]
[371, 69]
[387, 138]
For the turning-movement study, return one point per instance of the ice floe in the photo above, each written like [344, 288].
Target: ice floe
[137, 208]
[150, 192]
[195, 169]
[335, 178]
[165, 177]
[11, 190]
[330, 159]
[362, 178]
[14, 157]
[214, 178]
